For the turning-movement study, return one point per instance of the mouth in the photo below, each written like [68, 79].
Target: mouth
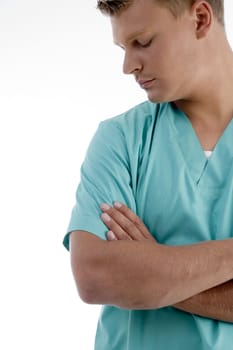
[145, 84]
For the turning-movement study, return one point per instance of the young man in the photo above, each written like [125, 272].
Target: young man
[160, 256]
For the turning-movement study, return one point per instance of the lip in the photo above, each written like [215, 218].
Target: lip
[146, 83]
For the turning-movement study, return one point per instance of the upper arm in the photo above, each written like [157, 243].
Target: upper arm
[83, 246]
[105, 177]
[86, 252]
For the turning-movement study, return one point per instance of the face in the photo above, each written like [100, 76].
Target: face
[160, 50]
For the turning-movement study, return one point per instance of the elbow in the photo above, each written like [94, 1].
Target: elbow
[87, 266]
[88, 294]
[86, 286]
[90, 279]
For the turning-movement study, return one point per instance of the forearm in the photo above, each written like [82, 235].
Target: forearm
[143, 275]
[215, 303]
[157, 276]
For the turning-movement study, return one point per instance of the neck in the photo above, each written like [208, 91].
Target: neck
[211, 101]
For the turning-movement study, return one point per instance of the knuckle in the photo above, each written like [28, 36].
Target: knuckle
[125, 237]
[129, 226]
[137, 221]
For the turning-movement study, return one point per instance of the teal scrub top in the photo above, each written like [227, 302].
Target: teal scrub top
[150, 159]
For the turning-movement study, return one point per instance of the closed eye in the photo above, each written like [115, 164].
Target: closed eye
[142, 44]
[137, 43]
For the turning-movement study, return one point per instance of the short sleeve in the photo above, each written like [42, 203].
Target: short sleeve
[105, 177]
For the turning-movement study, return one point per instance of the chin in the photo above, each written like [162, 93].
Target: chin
[159, 98]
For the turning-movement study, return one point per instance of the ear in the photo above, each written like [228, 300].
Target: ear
[203, 14]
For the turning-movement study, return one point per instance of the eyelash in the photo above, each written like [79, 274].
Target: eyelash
[144, 45]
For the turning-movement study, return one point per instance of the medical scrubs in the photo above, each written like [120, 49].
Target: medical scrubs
[151, 159]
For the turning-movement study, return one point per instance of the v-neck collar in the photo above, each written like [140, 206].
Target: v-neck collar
[211, 172]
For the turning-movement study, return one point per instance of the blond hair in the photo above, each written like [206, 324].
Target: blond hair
[113, 7]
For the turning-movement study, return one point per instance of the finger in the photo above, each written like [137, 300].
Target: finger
[120, 224]
[111, 236]
[133, 218]
[113, 226]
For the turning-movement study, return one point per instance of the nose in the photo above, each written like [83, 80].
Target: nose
[131, 63]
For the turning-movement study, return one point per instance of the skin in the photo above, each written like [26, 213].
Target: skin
[138, 274]
[174, 60]
[196, 46]
[215, 303]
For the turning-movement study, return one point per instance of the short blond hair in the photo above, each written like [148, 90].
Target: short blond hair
[113, 7]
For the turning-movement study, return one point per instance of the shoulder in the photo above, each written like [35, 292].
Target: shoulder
[131, 132]
[141, 116]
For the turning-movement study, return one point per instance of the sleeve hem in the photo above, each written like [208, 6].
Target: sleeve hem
[85, 226]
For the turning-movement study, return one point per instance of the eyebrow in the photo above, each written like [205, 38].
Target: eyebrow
[131, 37]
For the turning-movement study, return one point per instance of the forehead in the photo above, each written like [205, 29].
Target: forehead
[141, 17]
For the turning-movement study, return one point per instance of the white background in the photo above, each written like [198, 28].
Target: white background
[60, 75]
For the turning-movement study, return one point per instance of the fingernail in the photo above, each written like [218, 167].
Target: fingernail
[117, 204]
[105, 217]
[105, 206]
[111, 236]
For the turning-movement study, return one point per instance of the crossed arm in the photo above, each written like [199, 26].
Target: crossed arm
[131, 270]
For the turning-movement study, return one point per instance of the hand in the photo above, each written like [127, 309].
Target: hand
[123, 224]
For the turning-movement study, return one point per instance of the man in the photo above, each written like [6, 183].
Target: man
[160, 256]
